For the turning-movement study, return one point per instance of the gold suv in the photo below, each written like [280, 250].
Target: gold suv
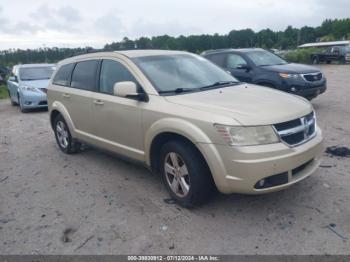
[187, 120]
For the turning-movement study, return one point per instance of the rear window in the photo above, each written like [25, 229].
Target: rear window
[84, 75]
[63, 74]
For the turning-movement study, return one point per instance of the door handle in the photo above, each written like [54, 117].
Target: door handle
[98, 102]
[66, 95]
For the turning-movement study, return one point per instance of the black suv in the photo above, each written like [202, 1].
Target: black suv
[261, 67]
[334, 53]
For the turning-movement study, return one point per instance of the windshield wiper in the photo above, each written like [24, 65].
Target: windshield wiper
[178, 90]
[220, 84]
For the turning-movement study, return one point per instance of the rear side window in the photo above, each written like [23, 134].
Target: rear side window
[113, 72]
[218, 59]
[63, 74]
[84, 75]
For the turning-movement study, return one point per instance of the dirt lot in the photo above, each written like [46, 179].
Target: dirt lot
[97, 203]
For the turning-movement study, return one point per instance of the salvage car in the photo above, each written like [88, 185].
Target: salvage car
[261, 67]
[187, 120]
[27, 86]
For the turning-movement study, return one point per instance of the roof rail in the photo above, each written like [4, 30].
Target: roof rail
[89, 51]
[216, 50]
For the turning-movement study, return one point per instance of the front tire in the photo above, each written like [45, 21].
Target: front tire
[64, 139]
[21, 106]
[12, 102]
[185, 173]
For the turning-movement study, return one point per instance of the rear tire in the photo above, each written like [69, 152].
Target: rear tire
[64, 139]
[342, 61]
[185, 173]
[315, 60]
[329, 62]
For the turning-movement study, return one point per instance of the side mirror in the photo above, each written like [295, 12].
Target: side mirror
[244, 67]
[13, 79]
[128, 89]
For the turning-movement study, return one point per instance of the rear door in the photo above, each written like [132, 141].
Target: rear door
[83, 85]
[118, 122]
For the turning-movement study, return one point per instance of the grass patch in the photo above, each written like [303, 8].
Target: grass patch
[3, 92]
[301, 55]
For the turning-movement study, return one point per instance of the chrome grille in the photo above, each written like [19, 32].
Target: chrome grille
[312, 77]
[297, 131]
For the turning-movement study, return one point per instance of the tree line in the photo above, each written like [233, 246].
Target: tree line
[290, 38]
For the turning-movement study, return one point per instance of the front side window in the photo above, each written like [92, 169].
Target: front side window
[183, 72]
[63, 75]
[35, 73]
[84, 75]
[234, 61]
[113, 72]
[264, 58]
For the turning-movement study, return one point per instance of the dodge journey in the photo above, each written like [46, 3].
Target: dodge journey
[187, 120]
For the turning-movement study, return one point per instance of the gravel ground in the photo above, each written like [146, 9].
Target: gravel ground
[97, 203]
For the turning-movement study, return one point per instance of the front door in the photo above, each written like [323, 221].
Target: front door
[238, 67]
[118, 121]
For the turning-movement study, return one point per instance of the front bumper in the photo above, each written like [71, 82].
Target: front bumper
[34, 100]
[311, 92]
[304, 88]
[238, 169]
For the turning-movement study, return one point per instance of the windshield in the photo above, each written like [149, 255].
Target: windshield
[264, 58]
[35, 73]
[182, 73]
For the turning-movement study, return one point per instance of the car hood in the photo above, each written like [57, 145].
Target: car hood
[36, 83]
[292, 68]
[249, 105]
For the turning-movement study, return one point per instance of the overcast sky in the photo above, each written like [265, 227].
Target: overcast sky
[71, 23]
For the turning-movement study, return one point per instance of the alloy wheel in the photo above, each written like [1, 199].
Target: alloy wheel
[176, 173]
[62, 134]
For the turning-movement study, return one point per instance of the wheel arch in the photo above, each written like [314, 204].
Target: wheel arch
[263, 82]
[58, 108]
[171, 129]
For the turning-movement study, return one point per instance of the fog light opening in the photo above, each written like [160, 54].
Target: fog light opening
[293, 89]
[261, 183]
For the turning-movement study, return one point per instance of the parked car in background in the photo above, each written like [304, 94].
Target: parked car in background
[339, 54]
[4, 71]
[186, 119]
[260, 67]
[27, 86]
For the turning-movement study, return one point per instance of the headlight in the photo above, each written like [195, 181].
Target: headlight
[285, 75]
[29, 88]
[247, 136]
